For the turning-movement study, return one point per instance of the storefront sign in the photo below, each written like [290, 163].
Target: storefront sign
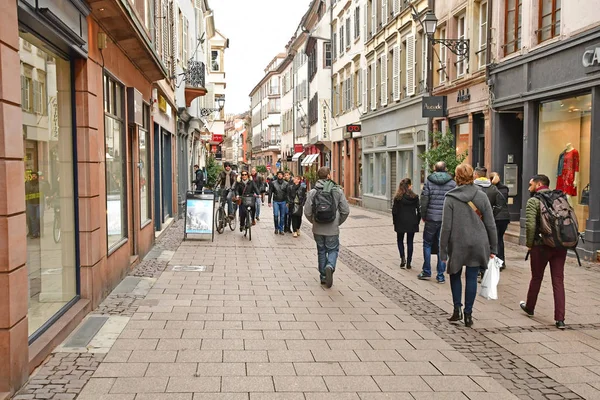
[298, 148]
[162, 104]
[591, 58]
[463, 96]
[325, 120]
[434, 106]
[217, 138]
[351, 129]
[134, 106]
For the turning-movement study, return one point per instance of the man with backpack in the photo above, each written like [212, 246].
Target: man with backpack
[199, 180]
[326, 208]
[551, 229]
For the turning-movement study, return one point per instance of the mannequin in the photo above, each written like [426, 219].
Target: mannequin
[568, 171]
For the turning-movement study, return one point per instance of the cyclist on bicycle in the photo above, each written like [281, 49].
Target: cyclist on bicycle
[226, 180]
[246, 187]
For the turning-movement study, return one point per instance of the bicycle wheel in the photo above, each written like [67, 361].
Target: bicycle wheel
[220, 222]
[233, 222]
[56, 229]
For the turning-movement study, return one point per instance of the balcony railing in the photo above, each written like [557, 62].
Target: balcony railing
[196, 74]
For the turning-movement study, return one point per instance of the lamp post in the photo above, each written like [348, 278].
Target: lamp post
[205, 112]
[460, 47]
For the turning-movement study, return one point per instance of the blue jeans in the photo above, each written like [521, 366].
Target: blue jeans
[470, 288]
[230, 208]
[279, 213]
[328, 248]
[257, 204]
[431, 234]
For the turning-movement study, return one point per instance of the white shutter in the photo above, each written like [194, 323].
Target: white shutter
[396, 7]
[365, 94]
[384, 79]
[410, 65]
[396, 73]
[185, 42]
[374, 85]
[366, 23]
[374, 18]
[351, 89]
[384, 12]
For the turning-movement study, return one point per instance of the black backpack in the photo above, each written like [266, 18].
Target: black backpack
[324, 206]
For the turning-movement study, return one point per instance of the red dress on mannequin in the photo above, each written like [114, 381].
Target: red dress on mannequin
[566, 181]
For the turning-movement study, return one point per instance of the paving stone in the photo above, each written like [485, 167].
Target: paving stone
[193, 384]
[351, 384]
[221, 369]
[120, 370]
[299, 384]
[140, 385]
[270, 369]
[247, 384]
[171, 369]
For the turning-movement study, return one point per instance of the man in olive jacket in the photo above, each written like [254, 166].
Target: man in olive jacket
[327, 235]
[541, 255]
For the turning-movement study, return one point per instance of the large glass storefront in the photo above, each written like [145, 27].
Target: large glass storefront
[49, 187]
[564, 149]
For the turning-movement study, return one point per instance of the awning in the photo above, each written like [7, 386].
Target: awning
[297, 156]
[310, 159]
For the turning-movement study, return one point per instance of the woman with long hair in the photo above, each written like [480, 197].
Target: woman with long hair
[407, 215]
[502, 217]
[468, 239]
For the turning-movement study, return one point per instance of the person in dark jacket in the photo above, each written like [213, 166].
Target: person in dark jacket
[468, 239]
[226, 180]
[199, 180]
[278, 194]
[432, 205]
[246, 187]
[296, 200]
[502, 217]
[287, 176]
[259, 181]
[407, 215]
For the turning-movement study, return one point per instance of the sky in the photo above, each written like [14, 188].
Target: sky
[257, 30]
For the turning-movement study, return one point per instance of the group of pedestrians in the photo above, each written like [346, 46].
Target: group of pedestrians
[465, 218]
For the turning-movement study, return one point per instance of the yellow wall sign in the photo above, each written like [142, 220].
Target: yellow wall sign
[162, 104]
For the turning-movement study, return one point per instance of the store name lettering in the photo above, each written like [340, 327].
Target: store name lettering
[432, 107]
[591, 57]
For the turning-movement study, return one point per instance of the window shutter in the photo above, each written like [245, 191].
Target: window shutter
[348, 32]
[365, 104]
[366, 23]
[373, 85]
[410, 65]
[185, 42]
[396, 7]
[374, 18]
[396, 73]
[384, 78]
[174, 41]
[384, 12]
[165, 33]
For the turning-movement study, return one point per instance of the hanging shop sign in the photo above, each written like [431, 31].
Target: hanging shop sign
[351, 129]
[217, 138]
[325, 120]
[162, 103]
[434, 106]
[298, 148]
[134, 106]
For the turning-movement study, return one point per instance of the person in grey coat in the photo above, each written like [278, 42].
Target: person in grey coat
[468, 238]
[432, 203]
[327, 235]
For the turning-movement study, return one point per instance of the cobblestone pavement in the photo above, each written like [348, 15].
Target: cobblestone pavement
[258, 325]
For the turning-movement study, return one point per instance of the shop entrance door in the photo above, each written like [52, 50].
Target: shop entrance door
[135, 201]
[167, 170]
[157, 179]
[479, 140]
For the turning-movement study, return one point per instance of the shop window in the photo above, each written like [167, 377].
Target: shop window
[461, 137]
[116, 188]
[564, 148]
[49, 183]
[370, 158]
[381, 165]
[512, 26]
[145, 163]
[549, 19]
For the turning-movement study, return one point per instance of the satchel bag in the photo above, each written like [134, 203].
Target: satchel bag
[297, 210]
[585, 196]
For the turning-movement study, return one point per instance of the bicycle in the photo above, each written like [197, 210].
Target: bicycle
[222, 219]
[248, 203]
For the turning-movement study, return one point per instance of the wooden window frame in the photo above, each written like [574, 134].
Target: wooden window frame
[553, 12]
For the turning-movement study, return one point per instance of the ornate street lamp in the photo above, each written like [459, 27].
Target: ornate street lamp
[205, 112]
[460, 47]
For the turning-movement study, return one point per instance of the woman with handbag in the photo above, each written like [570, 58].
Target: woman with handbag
[502, 217]
[468, 239]
[246, 190]
[407, 215]
[296, 200]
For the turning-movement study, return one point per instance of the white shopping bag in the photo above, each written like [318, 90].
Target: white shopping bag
[489, 283]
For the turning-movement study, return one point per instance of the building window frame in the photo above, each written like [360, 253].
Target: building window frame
[555, 20]
[483, 27]
[215, 60]
[327, 55]
[461, 27]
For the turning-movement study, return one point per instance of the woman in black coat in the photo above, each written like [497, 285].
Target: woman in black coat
[295, 203]
[502, 217]
[407, 215]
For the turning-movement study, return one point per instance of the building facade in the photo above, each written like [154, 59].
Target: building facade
[216, 85]
[393, 131]
[348, 94]
[463, 79]
[545, 80]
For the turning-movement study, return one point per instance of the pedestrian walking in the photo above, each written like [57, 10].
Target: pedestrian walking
[494, 196]
[278, 194]
[326, 208]
[296, 201]
[502, 217]
[407, 215]
[199, 179]
[287, 176]
[468, 238]
[246, 187]
[542, 254]
[259, 181]
[437, 185]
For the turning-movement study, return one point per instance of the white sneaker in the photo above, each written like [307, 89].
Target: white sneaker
[295, 234]
[298, 232]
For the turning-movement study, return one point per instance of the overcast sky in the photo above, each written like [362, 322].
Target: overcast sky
[257, 30]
